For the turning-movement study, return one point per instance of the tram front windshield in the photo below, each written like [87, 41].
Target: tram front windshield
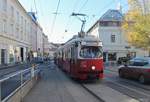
[91, 52]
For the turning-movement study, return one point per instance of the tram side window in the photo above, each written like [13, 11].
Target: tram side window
[72, 53]
[63, 55]
[69, 53]
[66, 54]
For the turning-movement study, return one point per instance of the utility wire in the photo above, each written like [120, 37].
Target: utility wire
[83, 5]
[106, 6]
[41, 8]
[35, 7]
[69, 20]
[54, 20]
[36, 10]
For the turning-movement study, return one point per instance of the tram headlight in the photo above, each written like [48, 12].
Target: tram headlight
[93, 67]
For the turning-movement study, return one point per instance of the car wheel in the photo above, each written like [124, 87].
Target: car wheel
[121, 74]
[142, 79]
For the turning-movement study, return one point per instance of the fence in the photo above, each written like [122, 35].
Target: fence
[14, 82]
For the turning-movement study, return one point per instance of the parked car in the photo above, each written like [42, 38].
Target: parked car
[137, 68]
[38, 60]
[122, 60]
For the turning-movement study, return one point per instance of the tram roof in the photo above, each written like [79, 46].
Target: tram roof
[76, 38]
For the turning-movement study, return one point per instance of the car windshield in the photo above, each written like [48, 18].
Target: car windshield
[91, 52]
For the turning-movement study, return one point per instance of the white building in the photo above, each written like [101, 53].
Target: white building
[46, 45]
[115, 45]
[49, 48]
[14, 32]
[20, 33]
[36, 36]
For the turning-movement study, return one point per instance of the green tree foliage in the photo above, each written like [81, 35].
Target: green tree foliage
[137, 25]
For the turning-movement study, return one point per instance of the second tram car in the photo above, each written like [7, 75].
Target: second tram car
[81, 57]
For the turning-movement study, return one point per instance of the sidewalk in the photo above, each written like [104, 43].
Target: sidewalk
[56, 87]
[50, 88]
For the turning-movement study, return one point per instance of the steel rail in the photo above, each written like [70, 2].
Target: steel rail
[92, 93]
[135, 84]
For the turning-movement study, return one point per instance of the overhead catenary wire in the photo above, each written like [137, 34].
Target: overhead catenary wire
[41, 8]
[83, 5]
[35, 7]
[106, 6]
[55, 16]
[36, 10]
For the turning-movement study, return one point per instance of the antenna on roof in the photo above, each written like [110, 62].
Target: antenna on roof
[119, 7]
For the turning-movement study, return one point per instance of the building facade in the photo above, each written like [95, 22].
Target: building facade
[49, 48]
[20, 33]
[108, 30]
[14, 32]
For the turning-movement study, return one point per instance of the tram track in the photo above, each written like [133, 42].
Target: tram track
[132, 82]
[104, 96]
[134, 93]
[92, 93]
[128, 87]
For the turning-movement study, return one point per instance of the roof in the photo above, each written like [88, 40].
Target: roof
[89, 39]
[112, 15]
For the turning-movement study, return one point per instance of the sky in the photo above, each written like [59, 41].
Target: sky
[64, 26]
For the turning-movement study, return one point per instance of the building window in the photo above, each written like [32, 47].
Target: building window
[21, 20]
[12, 29]
[113, 38]
[110, 23]
[12, 11]
[4, 27]
[4, 5]
[17, 16]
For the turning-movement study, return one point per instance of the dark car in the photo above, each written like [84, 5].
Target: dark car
[122, 60]
[137, 68]
[38, 60]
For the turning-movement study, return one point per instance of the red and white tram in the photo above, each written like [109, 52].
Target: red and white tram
[81, 57]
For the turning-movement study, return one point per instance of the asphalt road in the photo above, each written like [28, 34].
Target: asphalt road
[13, 83]
[13, 69]
[111, 88]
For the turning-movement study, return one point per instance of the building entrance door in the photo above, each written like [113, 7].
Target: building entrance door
[3, 56]
[22, 54]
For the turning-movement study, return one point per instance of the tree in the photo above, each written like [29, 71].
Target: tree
[137, 25]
